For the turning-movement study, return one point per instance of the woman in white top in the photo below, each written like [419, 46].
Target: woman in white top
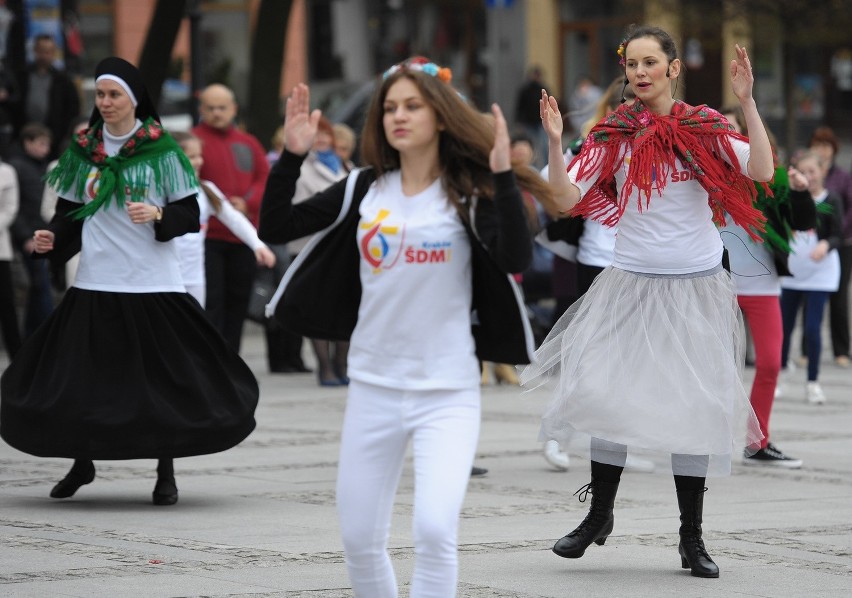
[127, 366]
[649, 357]
[211, 202]
[406, 250]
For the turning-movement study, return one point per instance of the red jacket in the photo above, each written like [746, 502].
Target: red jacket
[236, 162]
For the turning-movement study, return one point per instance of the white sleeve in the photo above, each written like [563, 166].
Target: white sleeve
[743, 152]
[236, 221]
[587, 183]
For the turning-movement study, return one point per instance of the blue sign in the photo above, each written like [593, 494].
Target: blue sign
[499, 3]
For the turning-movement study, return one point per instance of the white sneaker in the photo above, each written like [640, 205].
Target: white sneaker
[554, 456]
[639, 464]
[815, 394]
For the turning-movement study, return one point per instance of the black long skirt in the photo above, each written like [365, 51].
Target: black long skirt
[126, 376]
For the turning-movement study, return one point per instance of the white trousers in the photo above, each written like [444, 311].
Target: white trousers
[443, 427]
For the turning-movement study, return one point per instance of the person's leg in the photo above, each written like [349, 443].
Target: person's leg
[325, 371]
[763, 314]
[276, 347]
[372, 449]
[240, 267]
[293, 345]
[82, 472]
[608, 459]
[214, 272]
[165, 491]
[814, 310]
[790, 300]
[39, 294]
[446, 431]
[690, 499]
[341, 352]
[839, 307]
[8, 314]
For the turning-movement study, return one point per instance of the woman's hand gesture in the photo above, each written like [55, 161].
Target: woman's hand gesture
[742, 78]
[42, 241]
[300, 124]
[551, 117]
[500, 158]
[796, 180]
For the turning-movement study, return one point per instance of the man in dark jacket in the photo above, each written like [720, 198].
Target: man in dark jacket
[30, 162]
[47, 94]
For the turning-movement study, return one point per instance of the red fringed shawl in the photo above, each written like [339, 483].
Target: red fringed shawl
[696, 135]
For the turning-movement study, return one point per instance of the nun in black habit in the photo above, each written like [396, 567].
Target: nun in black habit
[127, 366]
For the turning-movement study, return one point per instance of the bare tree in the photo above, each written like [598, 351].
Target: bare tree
[267, 54]
[157, 51]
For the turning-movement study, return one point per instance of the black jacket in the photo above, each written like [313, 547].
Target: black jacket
[62, 108]
[321, 292]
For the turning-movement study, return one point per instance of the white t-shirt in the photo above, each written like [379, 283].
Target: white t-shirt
[596, 246]
[752, 264]
[673, 234]
[414, 326]
[810, 275]
[120, 256]
[190, 247]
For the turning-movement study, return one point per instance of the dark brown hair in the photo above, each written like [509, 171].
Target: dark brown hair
[825, 135]
[465, 140]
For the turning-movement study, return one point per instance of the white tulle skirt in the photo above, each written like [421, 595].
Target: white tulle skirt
[650, 365]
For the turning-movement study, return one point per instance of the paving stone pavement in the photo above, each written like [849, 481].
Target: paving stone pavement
[259, 520]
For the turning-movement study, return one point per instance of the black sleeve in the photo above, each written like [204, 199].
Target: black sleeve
[280, 220]
[802, 212]
[67, 233]
[501, 225]
[830, 227]
[179, 217]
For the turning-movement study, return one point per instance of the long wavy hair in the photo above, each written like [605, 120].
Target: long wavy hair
[464, 146]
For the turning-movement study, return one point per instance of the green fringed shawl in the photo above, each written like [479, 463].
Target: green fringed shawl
[145, 164]
[773, 207]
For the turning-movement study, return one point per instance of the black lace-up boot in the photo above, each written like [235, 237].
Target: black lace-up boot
[597, 525]
[693, 555]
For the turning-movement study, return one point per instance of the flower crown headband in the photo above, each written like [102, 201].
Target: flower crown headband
[421, 66]
[621, 50]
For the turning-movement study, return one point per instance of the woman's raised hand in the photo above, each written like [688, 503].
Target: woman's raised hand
[551, 117]
[500, 158]
[300, 124]
[742, 78]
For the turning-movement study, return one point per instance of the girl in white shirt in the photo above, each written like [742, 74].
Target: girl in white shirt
[815, 268]
[211, 202]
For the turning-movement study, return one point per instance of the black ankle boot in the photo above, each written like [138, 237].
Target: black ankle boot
[165, 491]
[597, 525]
[82, 472]
[693, 555]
